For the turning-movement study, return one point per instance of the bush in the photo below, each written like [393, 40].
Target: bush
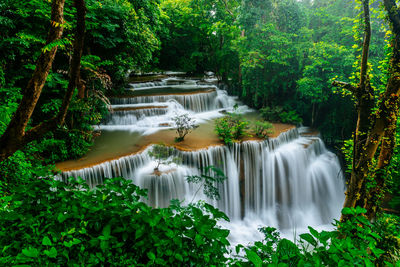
[290, 117]
[263, 129]
[280, 114]
[356, 242]
[46, 222]
[231, 127]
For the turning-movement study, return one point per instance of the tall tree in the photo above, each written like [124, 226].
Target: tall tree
[375, 128]
[16, 135]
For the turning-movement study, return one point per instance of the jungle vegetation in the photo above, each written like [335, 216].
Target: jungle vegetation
[330, 64]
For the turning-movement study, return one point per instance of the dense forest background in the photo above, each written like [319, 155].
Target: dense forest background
[278, 56]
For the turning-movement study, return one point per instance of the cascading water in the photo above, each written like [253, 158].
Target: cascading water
[201, 102]
[289, 182]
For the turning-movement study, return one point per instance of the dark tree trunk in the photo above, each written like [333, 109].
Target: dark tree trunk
[378, 129]
[365, 103]
[16, 136]
[75, 66]
[12, 138]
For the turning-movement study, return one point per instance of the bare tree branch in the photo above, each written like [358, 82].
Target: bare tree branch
[344, 85]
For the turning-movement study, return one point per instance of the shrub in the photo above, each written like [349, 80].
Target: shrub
[46, 222]
[263, 128]
[223, 130]
[183, 126]
[356, 242]
[231, 127]
[290, 117]
[280, 114]
[271, 114]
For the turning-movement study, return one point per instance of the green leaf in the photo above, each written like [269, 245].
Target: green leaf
[254, 258]
[68, 244]
[52, 253]
[30, 252]
[107, 230]
[360, 210]
[178, 257]
[309, 238]
[313, 232]
[46, 241]
[61, 217]
[199, 240]
[377, 252]
[151, 256]
[104, 245]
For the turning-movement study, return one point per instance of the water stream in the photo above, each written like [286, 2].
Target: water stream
[289, 182]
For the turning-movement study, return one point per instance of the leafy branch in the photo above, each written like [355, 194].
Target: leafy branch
[209, 178]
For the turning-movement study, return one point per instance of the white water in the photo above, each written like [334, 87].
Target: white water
[153, 113]
[289, 182]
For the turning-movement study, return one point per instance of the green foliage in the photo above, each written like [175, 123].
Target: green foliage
[273, 53]
[75, 138]
[209, 179]
[355, 242]
[183, 126]
[19, 169]
[279, 114]
[290, 116]
[231, 127]
[124, 33]
[46, 222]
[197, 35]
[263, 128]
[120, 36]
[161, 154]
[347, 151]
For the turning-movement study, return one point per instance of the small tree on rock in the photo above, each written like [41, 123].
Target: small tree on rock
[183, 126]
[161, 154]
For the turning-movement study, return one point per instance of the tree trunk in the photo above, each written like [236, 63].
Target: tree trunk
[378, 129]
[81, 88]
[386, 117]
[59, 119]
[10, 143]
[375, 194]
[365, 103]
[12, 138]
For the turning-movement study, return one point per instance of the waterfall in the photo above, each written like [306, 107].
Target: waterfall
[288, 182]
[200, 102]
[128, 117]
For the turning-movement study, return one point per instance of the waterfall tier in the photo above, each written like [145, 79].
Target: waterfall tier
[200, 102]
[280, 181]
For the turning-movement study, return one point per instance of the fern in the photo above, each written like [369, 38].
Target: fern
[62, 43]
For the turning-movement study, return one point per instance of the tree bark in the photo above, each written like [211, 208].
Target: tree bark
[12, 138]
[365, 102]
[386, 120]
[382, 130]
[81, 88]
[375, 194]
[44, 127]
[15, 136]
